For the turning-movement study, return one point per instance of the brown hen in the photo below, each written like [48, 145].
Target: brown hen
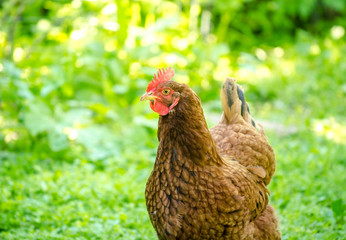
[197, 190]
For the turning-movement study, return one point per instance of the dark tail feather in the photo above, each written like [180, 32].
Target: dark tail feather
[231, 104]
[234, 104]
[245, 111]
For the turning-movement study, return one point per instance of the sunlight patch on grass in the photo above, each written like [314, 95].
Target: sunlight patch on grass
[331, 129]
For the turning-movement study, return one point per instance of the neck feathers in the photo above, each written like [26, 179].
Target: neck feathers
[185, 130]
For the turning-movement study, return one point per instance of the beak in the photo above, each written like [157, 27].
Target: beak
[148, 96]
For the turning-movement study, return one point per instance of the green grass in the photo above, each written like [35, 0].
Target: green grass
[49, 199]
[308, 189]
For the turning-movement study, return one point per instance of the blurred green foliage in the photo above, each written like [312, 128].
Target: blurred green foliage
[77, 146]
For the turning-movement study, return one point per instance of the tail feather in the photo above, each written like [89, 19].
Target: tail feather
[234, 104]
[231, 104]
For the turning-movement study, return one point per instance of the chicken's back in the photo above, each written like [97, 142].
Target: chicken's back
[246, 145]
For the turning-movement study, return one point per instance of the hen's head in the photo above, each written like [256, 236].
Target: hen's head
[163, 98]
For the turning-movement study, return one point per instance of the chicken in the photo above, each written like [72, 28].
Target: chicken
[199, 189]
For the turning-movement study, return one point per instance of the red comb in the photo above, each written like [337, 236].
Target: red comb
[162, 76]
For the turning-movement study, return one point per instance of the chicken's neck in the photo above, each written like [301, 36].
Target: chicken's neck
[185, 131]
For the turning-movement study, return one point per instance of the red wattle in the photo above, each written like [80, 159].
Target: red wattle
[159, 107]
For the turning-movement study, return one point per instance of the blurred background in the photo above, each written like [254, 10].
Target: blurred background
[77, 145]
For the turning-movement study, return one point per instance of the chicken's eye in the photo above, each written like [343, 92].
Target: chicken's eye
[165, 91]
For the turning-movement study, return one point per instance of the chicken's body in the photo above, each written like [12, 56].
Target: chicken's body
[236, 135]
[197, 190]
